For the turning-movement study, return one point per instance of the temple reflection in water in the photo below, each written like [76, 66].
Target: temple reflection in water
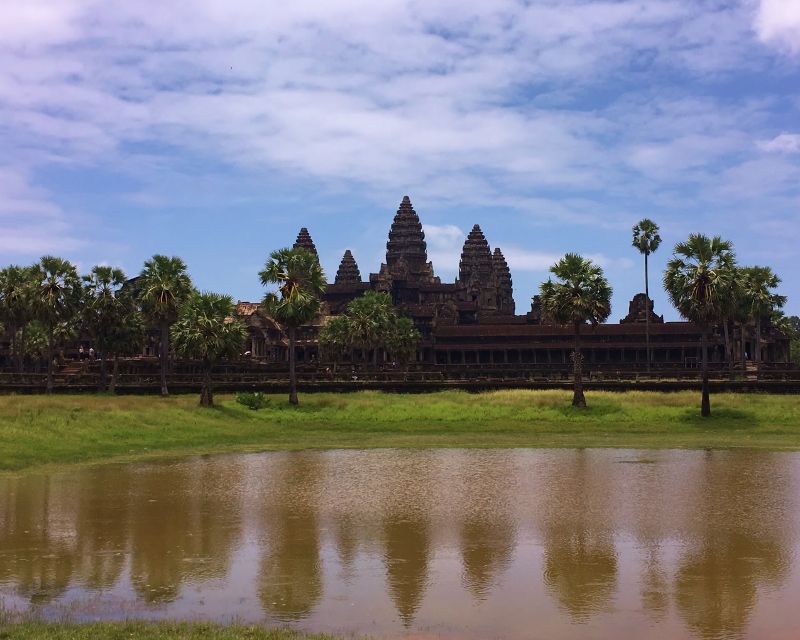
[684, 544]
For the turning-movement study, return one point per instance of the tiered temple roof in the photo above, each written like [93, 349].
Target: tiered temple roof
[348, 272]
[476, 258]
[406, 239]
[304, 241]
[505, 286]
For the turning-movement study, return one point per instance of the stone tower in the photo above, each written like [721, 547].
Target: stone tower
[476, 278]
[348, 272]
[505, 288]
[304, 241]
[406, 267]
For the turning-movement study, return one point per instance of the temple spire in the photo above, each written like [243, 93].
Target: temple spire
[476, 257]
[505, 286]
[304, 241]
[406, 239]
[348, 272]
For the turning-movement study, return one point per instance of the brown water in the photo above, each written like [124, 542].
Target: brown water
[435, 543]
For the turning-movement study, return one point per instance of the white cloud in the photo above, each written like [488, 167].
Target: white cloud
[784, 143]
[444, 247]
[779, 21]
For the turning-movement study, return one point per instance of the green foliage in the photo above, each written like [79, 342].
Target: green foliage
[252, 400]
[58, 291]
[108, 305]
[335, 338]
[757, 297]
[370, 319]
[402, 339]
[700, 278]
[645, 236]
[301, 282]
[206, 329]
[164, 286]
[581, 295]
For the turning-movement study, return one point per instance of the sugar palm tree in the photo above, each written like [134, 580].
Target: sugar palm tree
[16, 306]
[646, 240]
[335, 338]
[370, 318]
[164, 287]
[57, 300]
[301, 282]
[581, 295]
[105, 308]
[125, 339]
[207, 330]
[402, 340]
[759, 300]
[698, 280]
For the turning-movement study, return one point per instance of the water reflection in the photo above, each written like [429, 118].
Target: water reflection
[737, 542]
[383, 542]
[577, 534]
[290, 576]
[487, 523]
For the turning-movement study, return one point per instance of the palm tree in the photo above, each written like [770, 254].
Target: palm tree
[698, 280]
[58, 300]
[16, 305]
[646, 240]
[335, 338]
[402, 340]
[105, 309]
[301, 282]
[582, 295]
[759, 300]
[370, 318]
[164, 287]
[125, 339]
[207, 330]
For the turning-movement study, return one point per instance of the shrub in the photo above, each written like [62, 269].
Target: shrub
[254, 401]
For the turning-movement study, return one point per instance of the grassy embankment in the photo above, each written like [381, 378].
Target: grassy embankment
[40, 430]
[146, 631]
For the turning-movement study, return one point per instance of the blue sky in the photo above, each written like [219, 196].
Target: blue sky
[215, 130]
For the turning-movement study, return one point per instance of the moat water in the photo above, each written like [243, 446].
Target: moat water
[424, 544]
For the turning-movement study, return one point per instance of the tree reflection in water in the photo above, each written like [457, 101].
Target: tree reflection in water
[580, 562]
[36, 541]
[184, 524]
[738, 536]
[290, 575]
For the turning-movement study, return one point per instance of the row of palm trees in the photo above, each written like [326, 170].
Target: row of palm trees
[50, 298]
[703, 283]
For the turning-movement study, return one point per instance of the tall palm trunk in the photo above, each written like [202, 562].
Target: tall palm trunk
[21, 361]
[705, 406]
[292, 372]
[164, 349]
[114, 374]
[206, 393]
[101, 387]
[758, 347]
[728, 349]
[578, 399]
[647, 312]
[744, 351]
[49, 388]
[15, 356]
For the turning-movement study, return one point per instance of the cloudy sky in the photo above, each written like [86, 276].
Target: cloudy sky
[215, 130]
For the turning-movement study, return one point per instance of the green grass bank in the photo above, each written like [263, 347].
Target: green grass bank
[134, 630]
[41, 430]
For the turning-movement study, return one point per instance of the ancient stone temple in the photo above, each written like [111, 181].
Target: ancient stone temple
[470, 324]
[637, 311]
[304, 241]
[348, 272]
